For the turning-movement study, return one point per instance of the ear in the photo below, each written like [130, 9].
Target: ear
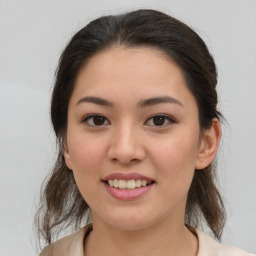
[209, 145]
[67, 156]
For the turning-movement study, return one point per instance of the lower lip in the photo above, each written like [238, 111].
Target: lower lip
[130, 194]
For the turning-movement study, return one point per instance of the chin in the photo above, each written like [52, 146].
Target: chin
[129, 225]
[129, 221]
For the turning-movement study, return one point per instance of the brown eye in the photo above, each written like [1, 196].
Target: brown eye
[160, 120]
[96, 120]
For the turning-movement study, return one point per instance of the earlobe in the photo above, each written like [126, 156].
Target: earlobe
[67, 156]
[209, 145]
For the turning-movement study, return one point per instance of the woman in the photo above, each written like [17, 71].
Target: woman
[134, 109]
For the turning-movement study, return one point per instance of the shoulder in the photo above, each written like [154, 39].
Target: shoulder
[68, 245]
[209, 247]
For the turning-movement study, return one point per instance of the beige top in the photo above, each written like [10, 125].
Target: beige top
[73, 245]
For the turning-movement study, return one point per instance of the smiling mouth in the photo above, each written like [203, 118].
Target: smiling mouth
[128, 184]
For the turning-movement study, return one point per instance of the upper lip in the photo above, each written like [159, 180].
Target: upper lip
[126, 176]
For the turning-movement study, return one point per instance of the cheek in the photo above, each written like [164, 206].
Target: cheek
[85, 155]
[87, 161]
[175, 152]
[174, 160]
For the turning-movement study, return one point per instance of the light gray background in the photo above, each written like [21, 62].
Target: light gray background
[32, 36]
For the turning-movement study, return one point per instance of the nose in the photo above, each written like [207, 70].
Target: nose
[126, 147]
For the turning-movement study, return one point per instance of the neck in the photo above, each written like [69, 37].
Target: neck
[162, 239]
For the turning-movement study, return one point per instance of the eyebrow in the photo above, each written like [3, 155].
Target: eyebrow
[159, 100]
[143, 103]
[96, 100]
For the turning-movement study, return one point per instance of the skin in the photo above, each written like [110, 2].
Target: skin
[130, 141]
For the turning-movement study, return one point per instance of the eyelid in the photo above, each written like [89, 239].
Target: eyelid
[168, 117]
[87, 117]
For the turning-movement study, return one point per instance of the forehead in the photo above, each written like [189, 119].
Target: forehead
[145, 62]
[138, 72]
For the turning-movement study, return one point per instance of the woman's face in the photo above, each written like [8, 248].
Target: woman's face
[132, 119]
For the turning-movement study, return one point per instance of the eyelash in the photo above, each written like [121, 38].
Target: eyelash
[166, 118]
[91, 116]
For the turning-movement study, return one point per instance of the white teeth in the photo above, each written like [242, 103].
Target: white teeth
[129, 184]
[144, 183]
[122, 184]
[116, 183]
[138, 183]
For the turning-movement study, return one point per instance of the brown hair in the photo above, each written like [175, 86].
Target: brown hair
[61, 203]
